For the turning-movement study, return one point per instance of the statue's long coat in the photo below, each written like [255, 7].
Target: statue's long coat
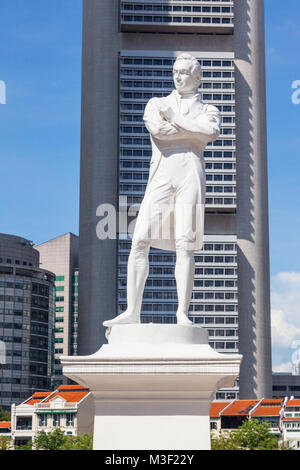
[201, 124]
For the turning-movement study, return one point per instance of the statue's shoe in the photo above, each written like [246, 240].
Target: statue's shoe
[183, 319]
[122, 319]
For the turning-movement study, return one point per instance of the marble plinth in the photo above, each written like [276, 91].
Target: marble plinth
[153, 385]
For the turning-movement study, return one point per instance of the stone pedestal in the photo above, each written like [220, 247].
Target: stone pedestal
[153, 386]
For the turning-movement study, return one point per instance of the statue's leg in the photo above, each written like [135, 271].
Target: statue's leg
[147, 227]
[186, 228]
[184, 274]
[137, 273]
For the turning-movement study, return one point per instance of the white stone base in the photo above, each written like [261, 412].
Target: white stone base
[153, 386]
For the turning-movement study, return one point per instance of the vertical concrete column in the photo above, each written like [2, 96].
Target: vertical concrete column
[252, 201]
[99, 169]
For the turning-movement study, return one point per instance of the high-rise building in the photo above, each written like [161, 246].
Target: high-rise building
[129, 48]
[60, 255]
[27, 296]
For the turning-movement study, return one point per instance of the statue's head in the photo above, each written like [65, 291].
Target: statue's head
[187, 74]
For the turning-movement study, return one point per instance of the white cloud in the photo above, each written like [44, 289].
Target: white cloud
[285, 316]
[283, 332]
[284, 367]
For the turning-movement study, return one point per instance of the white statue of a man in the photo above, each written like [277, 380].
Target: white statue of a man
[180, 126]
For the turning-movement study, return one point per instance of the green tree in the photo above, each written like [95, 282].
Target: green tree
[255, 435]
[5, 443]
[27, 446]
[84, 442]
[4, 415]
[49, 441]
[251, 435]
[58, 440]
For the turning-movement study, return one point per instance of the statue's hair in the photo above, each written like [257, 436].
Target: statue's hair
[196, 70]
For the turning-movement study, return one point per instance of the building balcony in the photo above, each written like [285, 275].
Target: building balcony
[202, 16]
[54, 408]
[24, 428]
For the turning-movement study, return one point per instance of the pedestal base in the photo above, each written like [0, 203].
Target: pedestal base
[153, 386]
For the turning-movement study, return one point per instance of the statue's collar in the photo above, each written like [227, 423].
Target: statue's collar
[191, 96]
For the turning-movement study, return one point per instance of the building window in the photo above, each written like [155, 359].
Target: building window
[69, 419]
[56, 419]
[43, 420]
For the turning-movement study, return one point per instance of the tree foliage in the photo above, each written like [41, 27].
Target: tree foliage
[251, 435]
[5, 443]
[4, 415]
[58, 440]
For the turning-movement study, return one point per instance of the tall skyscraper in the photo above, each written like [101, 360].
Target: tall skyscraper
[60, 255]
[129, 48]
[27, 295]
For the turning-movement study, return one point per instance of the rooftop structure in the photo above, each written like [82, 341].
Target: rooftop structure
[70, 408]
[60, 255]
[27, 297]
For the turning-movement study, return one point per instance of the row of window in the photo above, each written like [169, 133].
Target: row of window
[200, 2]
[172, 294]
[214, 283]
[207, 247]
[170, 84]
[197, 295]
[140, 188]
[125, 152]
[213, 308]
[146, 141]
[221, 189]
[143, 130]
[128, 95]
[14, 285]
[220, 177]
[156, 270]
[168, 307]
[220, 201]
[14, 298]
[175, 8]
[17, 326]
[167, 73]
[147, 61]
[177, 19]
[222, 320]
[56, 419]
[17, 262]
[139, 118]
[221, 345]
[146, 96]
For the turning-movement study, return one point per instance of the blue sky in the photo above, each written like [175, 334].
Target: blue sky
[40, 61]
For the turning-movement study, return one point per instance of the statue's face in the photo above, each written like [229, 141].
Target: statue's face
[185, 81]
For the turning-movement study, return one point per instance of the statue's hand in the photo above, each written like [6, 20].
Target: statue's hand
[167, 113]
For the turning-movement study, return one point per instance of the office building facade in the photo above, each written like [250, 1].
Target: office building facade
[27, 302]
[60, 255]
[129, 48]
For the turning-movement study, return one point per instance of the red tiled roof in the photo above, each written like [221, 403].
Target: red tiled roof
[268, 407]
[70, 397]
[72, 387]
[37, 397]
[294, 402]
[71, 393]
[5, 424]
[271, 401]
[239, 407]
[216, 407]
[266, 411]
